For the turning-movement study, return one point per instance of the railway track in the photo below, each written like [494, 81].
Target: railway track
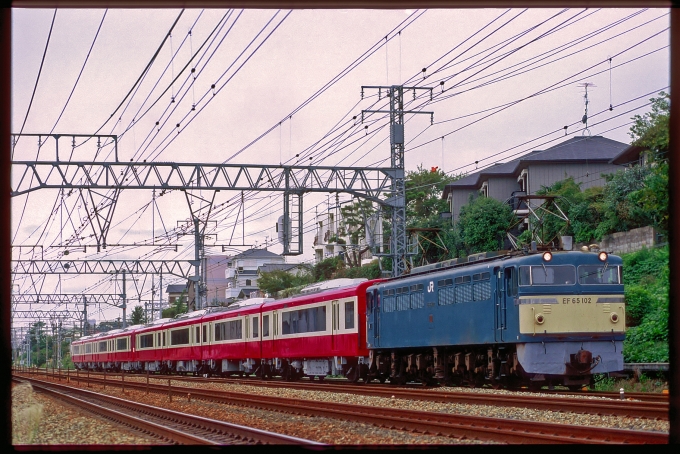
[612, 406]
[168, 426]
[451, 425]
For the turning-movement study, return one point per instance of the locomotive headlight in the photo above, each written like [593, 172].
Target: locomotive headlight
[547, 256]
[539, 319]
[614, 317]
[602, 256]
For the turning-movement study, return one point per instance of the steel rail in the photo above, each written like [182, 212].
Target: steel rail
[217, 430]
[444, 424]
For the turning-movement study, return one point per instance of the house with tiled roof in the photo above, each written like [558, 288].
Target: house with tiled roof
[585, 158]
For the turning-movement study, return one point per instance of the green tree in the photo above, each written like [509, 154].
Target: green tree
[651, 129]
[179, 306]
[620, 207]
[424, 188]
[274, 281]
[137, 316]
[482, 224]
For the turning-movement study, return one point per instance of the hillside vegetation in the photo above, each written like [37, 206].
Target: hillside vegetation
[645, 276]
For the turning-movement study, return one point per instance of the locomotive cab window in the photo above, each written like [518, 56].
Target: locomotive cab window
[547, 275]
[599, 274]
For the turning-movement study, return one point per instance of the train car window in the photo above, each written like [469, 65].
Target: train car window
[122, 344]
[349, 315]
[256, 324]
[197, 334]
[179, 336]
[445, 283]
[481, 276]
[88, 348]
[304, 320]
[447, 296]
[463, 293]
[265, 326]
[146, 341]
[205, 333]
[481, 291]
[231, 330]
[418, 287]
[102, 347]
[417, 300]
[389, 304]
[598, 274]
[547, 275]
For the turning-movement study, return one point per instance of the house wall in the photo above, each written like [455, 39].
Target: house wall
[588, 174]
[460, 198]
[502, 188]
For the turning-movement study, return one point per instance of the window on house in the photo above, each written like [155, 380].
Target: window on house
[248, 282]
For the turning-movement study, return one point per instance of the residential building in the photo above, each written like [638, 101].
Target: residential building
[584, 158]
[242, 272]
[175, 291]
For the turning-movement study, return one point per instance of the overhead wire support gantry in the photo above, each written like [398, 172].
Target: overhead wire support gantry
[397, 201]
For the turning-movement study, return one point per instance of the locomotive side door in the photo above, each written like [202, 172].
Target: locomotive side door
[376, 317]
[499, 305]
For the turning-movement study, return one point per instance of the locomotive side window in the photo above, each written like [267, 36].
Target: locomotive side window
[369, 302]
[402, 299]
[547, 275]
[511, 281]
[179, 336]
[447, 294]
[389, 303]
[304, 320]
[349, 315]
[230, 330]
[598, 274]
[265, 326]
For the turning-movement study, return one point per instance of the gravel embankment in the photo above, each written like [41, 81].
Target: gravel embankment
[69, 426]
[336, 432]
[40, 420]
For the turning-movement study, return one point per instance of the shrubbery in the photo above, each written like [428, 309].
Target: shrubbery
[645, 276]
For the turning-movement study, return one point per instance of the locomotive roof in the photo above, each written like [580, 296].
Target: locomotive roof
[515, 257]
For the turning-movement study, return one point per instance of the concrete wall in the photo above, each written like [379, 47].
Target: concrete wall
[631, 241]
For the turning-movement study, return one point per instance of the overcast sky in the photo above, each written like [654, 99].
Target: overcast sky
[289, 83]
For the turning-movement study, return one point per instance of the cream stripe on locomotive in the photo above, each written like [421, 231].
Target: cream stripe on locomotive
[552, 314]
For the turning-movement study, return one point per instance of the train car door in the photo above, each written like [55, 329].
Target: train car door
[499, 305]
[335, 310]
[376, 317]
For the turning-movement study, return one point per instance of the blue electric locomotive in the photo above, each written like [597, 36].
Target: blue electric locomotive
[551, 318]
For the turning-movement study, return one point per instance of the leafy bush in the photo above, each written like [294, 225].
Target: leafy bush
[645, 277]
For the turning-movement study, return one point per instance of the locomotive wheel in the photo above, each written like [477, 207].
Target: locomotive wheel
[353, 375]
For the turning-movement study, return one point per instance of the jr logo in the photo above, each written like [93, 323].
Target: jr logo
[430, 288]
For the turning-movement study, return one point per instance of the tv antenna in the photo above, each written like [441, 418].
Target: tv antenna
[584, 120]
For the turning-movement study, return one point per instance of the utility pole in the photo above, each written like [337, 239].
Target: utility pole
[397, 201]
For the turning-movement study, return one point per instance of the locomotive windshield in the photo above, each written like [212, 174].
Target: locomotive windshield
[547, 275]
[599, 274]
